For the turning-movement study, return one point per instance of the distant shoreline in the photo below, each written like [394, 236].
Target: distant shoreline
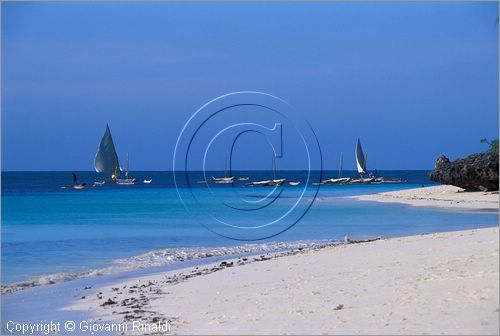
[442, 196]
[211, 170]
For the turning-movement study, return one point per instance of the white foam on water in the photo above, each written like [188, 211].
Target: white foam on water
[166, 256]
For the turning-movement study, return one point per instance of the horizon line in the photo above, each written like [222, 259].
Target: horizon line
[208, 170]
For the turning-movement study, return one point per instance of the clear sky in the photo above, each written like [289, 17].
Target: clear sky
[412, 80]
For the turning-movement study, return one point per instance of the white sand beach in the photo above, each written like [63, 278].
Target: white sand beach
[443, 196]
[444, 283]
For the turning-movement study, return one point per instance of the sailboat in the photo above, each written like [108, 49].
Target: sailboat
[106, 159]
[77, 185]
[225, 179]
[360, 159]
[269, 183]
[127, 180]
[361, 165]
[340, 179]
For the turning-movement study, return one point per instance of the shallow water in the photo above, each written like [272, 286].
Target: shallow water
[59, 234]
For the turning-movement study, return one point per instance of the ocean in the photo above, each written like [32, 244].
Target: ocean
[52, 234]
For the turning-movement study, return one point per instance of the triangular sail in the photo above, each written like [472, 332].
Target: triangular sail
[106, 159]
[360, 159]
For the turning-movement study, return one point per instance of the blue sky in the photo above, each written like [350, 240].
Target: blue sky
[412, 80]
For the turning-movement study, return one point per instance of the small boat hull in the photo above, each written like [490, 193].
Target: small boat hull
[125, 181]
[367, 180]
[389, 180]
[342, 180]
[223, 180]
[268, 183]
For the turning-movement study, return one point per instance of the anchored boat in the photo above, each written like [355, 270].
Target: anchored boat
[269, 183]
[106, 160]
[127, 180]
[225, 179]
[361, 159]
[340, 179]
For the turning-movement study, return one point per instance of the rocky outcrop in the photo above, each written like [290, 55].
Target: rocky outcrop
[477, 172]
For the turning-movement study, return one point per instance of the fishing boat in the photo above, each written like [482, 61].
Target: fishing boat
[75, 183]
[225, 179]
[389, 180]
[106, 160]
[361, 166]
[362, 180]
[127, 180]
[269, 183]
[360, 159]
[340, 179]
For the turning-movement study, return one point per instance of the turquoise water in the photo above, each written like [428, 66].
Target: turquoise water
[48, 230]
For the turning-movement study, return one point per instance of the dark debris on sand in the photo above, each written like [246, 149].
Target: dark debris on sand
[133, 304]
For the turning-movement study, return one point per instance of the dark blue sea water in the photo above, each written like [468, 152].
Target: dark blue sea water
[49, 230]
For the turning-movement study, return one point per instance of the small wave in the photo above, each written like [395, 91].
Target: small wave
[164, 257]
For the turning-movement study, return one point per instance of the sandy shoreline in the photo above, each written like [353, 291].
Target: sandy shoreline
[436, 283]
[443, 196]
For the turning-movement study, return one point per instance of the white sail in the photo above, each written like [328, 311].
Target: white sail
[360, 159]
[106, 159]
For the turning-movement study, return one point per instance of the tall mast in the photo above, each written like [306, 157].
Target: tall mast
[225, 165]
[366, 160]
[126, 173]
[340, 164]
[274, 166]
